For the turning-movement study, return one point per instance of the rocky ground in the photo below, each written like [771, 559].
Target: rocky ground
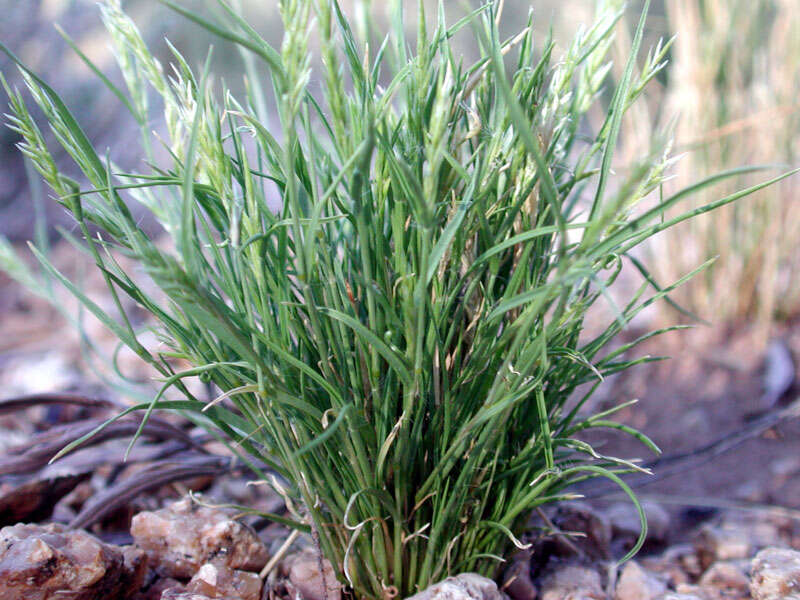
[182, 551]
[191, 550]
[92, 526]
[736, 555]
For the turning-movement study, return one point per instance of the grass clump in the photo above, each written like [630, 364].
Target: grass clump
[396, 346]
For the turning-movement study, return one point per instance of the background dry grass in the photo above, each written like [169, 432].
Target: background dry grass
[734, 80]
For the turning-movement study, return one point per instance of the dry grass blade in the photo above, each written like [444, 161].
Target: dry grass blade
[13, 405]
[43, 446]
[156, 476]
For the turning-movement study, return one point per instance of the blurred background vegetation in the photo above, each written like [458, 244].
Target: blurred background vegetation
[730, 94]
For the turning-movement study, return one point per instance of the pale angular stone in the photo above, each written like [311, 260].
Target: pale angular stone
[714, 543]
[735, 539]
[776, 575]
[726, 579]
[305, 576]
[635, 583]
[217, 581]
[181, 538]
[466, 586]
[573, 583]
[50, 562]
